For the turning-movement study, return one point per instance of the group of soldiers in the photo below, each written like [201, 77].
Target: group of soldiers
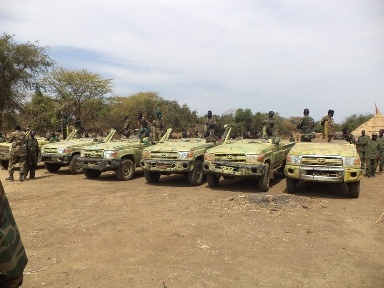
[25, 151]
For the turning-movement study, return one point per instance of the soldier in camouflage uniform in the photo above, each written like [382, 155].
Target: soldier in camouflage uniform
[13, 258]
[18, 153]
[126, 131]
[210, 127]
[305, 126]
[158, 125]
[32, 148]
[381, 160]
[268, 125]
[373, 149]
[327, 123]
[361, 144]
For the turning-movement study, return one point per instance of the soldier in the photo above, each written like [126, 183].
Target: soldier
[210, 125]
[373, 149]
[328, 123]
[32, 148]
[158, 125]
[144, 126]
[127, 126]
[361, 144]
[268, 125]
[305, 126]
[2, 138]
[17, 153]
[381, 160]
[13, 258]
[53, 137]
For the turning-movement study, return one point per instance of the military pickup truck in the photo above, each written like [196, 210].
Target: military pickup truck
[65, 153]
[331, 162]
[246, 158]
[177, 156]
[122, 156]
[5, 149]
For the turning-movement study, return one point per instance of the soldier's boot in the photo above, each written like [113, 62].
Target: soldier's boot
[10, 177]
[32, 175]
[21, 178]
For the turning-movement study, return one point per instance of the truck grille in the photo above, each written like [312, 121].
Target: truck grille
[50, 150]
[164, 155]
[93, 153]
[322, 161]
[230, 157]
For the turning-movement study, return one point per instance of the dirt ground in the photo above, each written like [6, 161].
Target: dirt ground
[81, 232]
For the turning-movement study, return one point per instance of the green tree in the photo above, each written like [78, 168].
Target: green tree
[79, 93]
[21, 67]
[355, 120]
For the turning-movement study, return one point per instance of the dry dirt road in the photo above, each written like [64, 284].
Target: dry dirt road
[106, 233]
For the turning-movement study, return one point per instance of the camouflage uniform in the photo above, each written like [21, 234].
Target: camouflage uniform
[210, 126]
[381, 159]
[373, 150]
[18, 154]
[158, 129]
[2, 138]
[144, 127]
[361, 147]
[32, 147]
[305, 126]
[268, 125]
[13, 258]
[126, 128]
[328, 130]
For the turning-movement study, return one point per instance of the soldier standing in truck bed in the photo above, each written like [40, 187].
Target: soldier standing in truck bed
[268, 125]
[328, 123]
[305, 126]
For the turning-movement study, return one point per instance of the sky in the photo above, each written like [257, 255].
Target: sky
[219, 55]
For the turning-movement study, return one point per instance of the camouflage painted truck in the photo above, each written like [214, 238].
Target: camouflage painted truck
[5, 150]
[121, 156]
[246, 158]
[330, 162]
[177, 156]
[65, 153]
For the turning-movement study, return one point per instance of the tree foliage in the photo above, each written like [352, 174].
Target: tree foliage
[21, 66]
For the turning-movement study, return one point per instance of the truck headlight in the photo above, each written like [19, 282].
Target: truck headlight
[209, 157]
[146, 154]
[254, 158]
[65, 150]
[110, 153]
[351, 161]
[293, 159]
[82, 153]
[185, 154]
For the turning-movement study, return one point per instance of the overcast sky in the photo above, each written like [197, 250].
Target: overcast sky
[219, 55]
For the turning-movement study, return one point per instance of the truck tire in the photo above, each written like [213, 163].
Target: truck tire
[91, 174]
[291, 185]
[126, 170]
[213, 180]
[196, 176]
[152, 177]
[4, 164]
[264, 180]
[75, 166]
[354, 189]
[52, 167]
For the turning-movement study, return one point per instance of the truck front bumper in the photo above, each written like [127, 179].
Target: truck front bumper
[233, 169]
[323, 174]
[99, 163]
[167, 166]
[56, 158]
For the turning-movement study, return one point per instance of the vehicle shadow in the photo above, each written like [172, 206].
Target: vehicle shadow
[322, 190]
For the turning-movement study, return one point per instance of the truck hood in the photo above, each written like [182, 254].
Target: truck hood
[187, 144]
[114, 145]
[331, 149]
[246, 146]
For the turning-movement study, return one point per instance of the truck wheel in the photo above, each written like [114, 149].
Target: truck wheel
[264, 180]
[75, 166]
[152, 177]
[91, 174]
[126, 170]
[52, 167]
[195, 177]
[4, 164]
[291, 185]
[213, 180]
[354, 189]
